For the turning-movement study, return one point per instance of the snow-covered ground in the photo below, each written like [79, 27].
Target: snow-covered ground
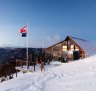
[73, 76]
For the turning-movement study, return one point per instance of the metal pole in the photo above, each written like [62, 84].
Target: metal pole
[27, 62]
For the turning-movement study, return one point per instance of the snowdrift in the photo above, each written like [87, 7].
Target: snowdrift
[73, 76]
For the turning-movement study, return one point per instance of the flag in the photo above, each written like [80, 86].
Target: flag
[24, 31]
[24, 34]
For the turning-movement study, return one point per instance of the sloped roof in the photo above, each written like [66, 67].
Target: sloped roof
[88, 46]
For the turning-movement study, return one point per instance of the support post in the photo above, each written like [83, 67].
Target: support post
[16, 72]
[74, 47]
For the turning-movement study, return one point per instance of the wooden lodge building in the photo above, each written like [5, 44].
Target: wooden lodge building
[71, 49]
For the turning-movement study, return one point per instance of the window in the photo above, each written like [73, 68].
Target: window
[76, 48]
[64, 48]
[72, 47]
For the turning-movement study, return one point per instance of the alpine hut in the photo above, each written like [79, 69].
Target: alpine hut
[71, 49]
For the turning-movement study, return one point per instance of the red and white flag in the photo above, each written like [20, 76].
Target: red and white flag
[24, 29]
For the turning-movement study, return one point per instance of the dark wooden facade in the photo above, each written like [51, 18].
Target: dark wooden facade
[67, 49]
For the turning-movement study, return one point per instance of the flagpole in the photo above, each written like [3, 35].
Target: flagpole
[27, 62]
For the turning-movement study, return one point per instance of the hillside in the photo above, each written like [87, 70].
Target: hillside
[73, 76]
[7, 54]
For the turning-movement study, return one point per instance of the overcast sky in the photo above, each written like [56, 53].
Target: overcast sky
[49, 21]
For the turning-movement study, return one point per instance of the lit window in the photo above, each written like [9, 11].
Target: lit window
[64, 48]
[72, 47]
[76, 48]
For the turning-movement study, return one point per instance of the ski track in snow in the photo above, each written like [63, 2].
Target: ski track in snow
[73, 76]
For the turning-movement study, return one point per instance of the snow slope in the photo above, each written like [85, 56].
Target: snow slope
[73, 76]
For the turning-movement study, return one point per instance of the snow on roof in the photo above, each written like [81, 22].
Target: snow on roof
[88, 46]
